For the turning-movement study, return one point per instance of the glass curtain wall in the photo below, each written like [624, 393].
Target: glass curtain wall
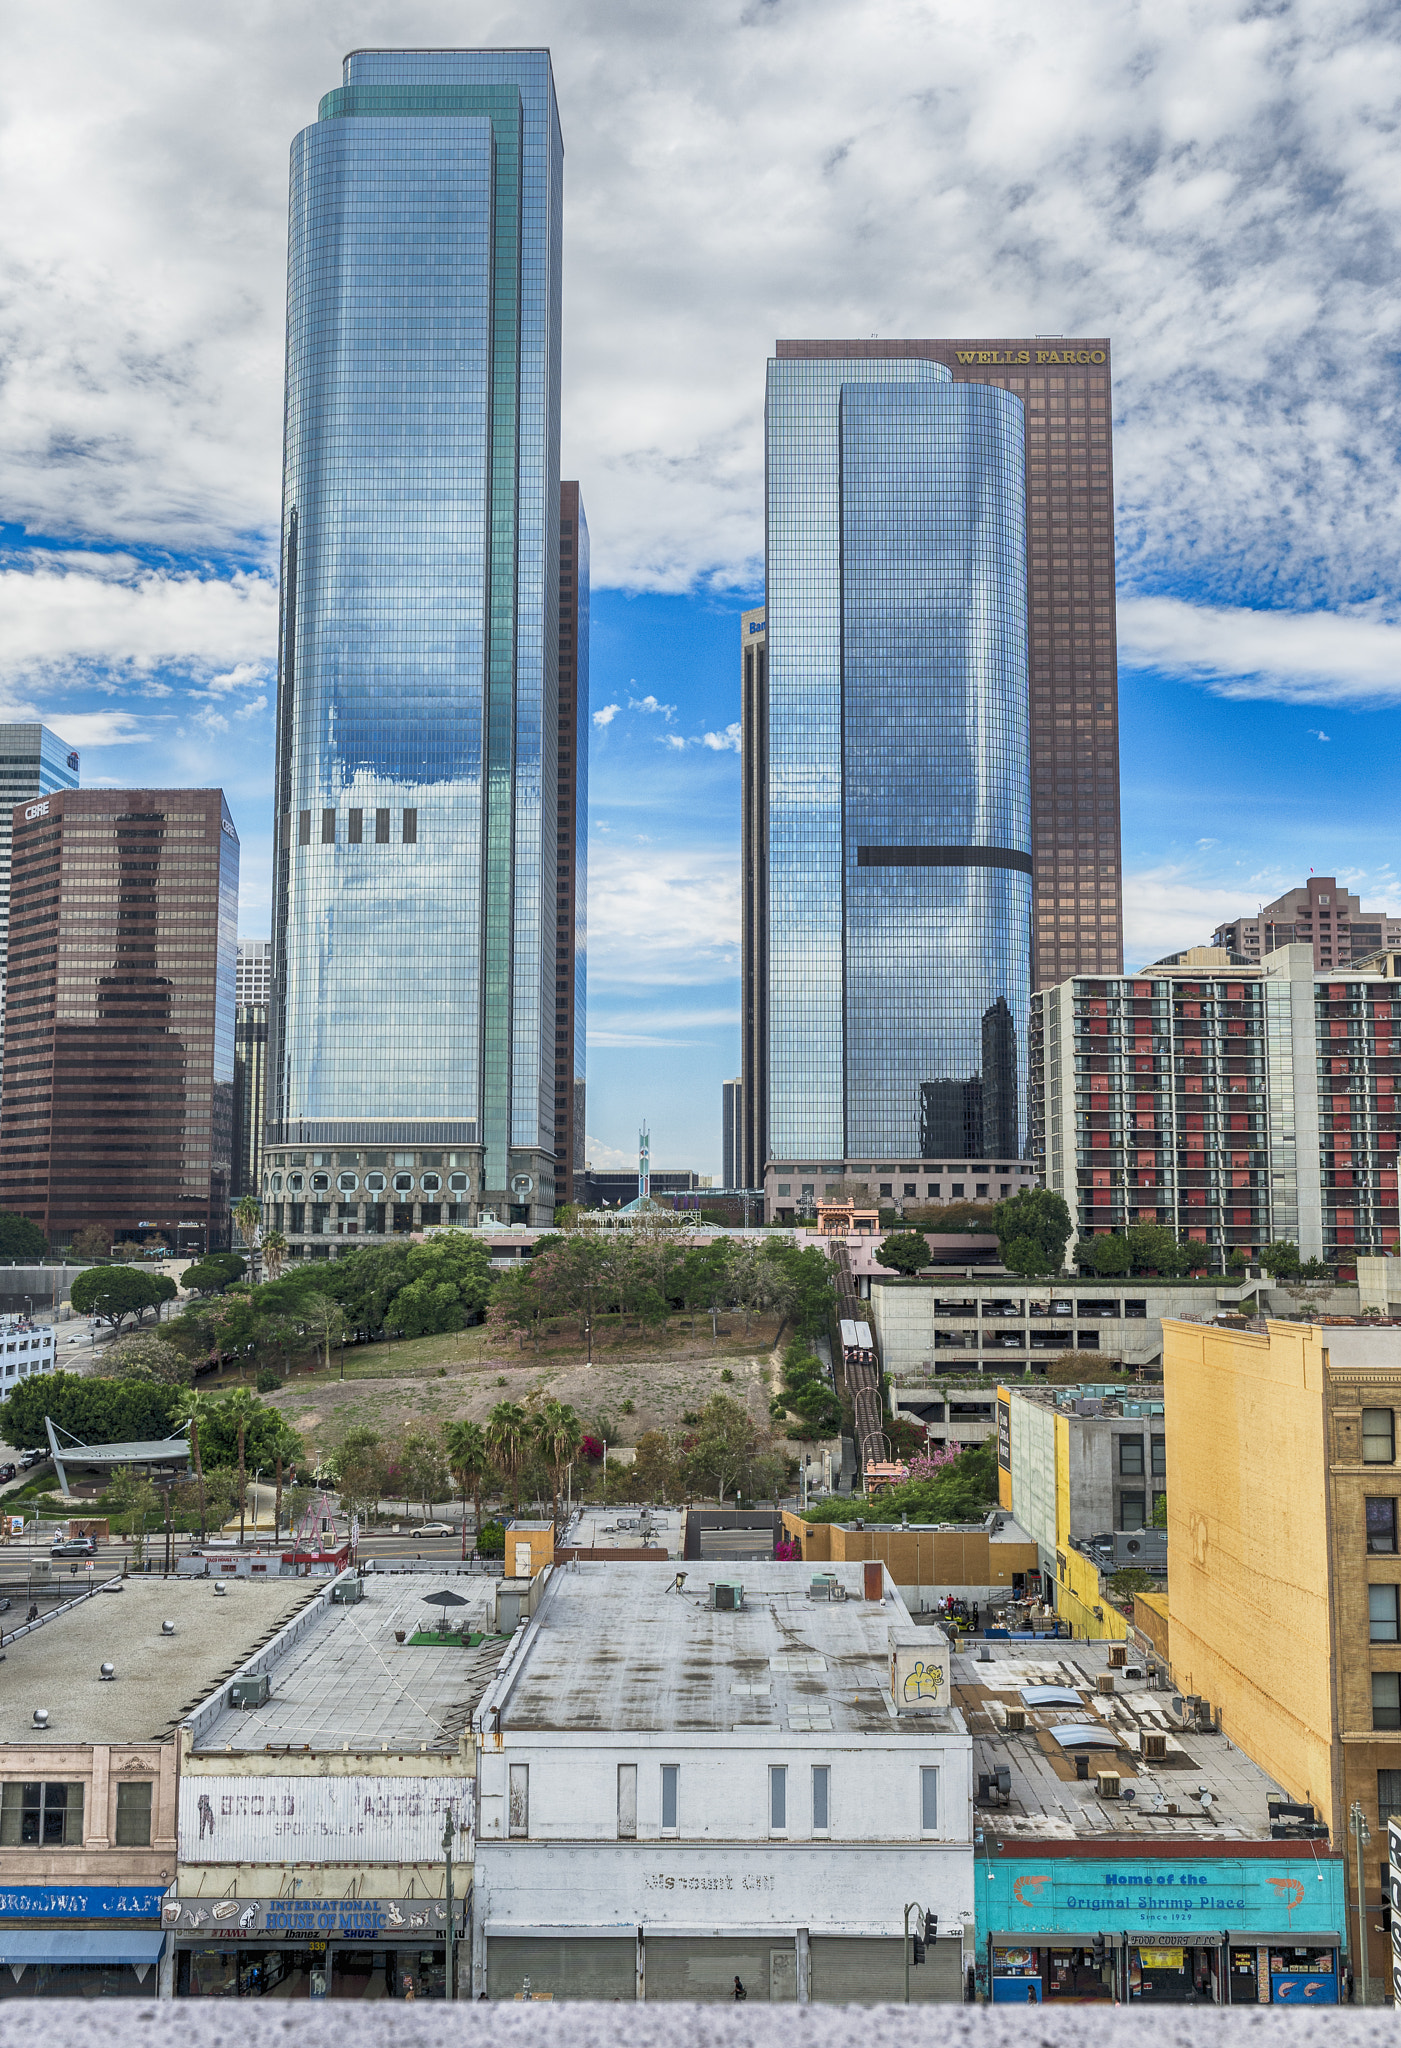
[414, 927]
[899, 801]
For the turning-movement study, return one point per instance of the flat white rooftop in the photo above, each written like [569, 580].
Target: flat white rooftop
[159, 1678]
[345, 1679]
[616, 1646]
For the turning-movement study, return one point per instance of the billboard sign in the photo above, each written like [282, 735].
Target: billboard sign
[224, 1919]
[320, 1820]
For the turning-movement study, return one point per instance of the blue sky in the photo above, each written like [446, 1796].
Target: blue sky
[1214, 189]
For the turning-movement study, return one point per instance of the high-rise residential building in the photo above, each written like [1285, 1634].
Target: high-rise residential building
[1063, 384]
[1236, 1105]
[890, 771]
[254, 982]
[414, 931]
[34, 763]
[1283, 1494]
[732, 1134]
[572, 844]
[117, 1108]
[754, 913]
[1319, 914]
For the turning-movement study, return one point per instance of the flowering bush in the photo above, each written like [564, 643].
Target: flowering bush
[786, 1550]
[592, 1448]
[929, 1462]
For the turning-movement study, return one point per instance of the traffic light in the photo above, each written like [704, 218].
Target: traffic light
[1098, 1951]
[918, 1951]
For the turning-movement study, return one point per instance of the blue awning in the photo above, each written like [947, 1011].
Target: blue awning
[80, 1945]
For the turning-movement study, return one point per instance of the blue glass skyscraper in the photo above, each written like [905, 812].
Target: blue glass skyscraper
[897, 852]
[411, 1037]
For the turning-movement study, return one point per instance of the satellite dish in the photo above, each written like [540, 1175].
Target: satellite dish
[522, 1184]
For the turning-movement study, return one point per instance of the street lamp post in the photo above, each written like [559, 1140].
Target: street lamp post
[1361, 1835]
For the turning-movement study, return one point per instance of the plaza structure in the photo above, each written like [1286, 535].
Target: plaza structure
[888, 862]
[414, 1001]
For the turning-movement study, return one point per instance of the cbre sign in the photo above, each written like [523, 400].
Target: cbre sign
[36, 810]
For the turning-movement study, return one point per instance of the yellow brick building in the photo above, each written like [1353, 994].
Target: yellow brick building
[1283, 1496]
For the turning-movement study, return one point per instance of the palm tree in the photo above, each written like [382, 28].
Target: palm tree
[558, 1433]
[508, 1435]
[190, 1407]
[238, 1409]
[247, 1216]
[274, 1253]
[469, 1461]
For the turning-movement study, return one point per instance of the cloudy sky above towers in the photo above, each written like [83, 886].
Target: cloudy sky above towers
[1212, 186]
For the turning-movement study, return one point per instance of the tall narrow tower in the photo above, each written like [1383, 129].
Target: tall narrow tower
[416, 815]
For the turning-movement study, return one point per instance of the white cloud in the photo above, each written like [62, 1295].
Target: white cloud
[608, 1158]
[652, 705]
[259, 703]
[604, 718]
[84, 729]
[672, 739]
[1169, 907]
[56, 618]
[662, 917]
[724, 742]
[1296, 657]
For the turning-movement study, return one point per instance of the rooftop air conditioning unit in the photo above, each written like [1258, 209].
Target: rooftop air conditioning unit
[346, 1592]
[823, 1586]
[1153, 1744]
[726, 1595]
[1117, 1655]
[1104, 1681]
[1133, 1671]
[1107, 1784]
[1016, 1720]
[250, 1692]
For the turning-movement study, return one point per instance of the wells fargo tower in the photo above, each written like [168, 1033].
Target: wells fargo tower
[1064, 385]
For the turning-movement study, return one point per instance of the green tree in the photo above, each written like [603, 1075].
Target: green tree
[235, 1412]
[904, 1251]
[213, 1273]
[453, 1259]
[962, 1491]
[469, 1461]
[1154, 1249]
[145, 1356]
[423, 1468]
[190, 1412]
[112, 1293]
[725, 1446]
[359, 1464]
[21, 1241]
[508, 1435]
[274, 1253]
[325, 1318]
[808, 1297]
[91, 1242]
[1159, 1520]
[558, 1435]
[1130, 1580]
[135, 1498]
[247, 1215]
[656, 1470]
[1074, 1368]
[1033, 1216]
[1107, 1255]
[95, 1411]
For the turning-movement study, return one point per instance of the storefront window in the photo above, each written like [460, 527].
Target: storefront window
[1303, 1976]
[78, 1980]
[1170, 1976]
[207, 1973]
[314, 1970]
[1073, 1974]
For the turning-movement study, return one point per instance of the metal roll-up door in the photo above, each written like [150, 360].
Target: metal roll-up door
[849, 1970]
[574, 1966]
[702, 1968]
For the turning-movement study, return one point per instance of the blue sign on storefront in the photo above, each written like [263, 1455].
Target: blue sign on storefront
[1076, 1895]
[81, 1902]
[1299, 1987]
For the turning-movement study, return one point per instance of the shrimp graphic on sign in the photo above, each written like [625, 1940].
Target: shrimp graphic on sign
[1027, 1890]
[1288, 1891]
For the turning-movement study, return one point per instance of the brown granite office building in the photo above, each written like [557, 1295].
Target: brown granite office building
[117, 1108]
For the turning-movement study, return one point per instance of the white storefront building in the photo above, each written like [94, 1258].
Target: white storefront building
[675, 1792]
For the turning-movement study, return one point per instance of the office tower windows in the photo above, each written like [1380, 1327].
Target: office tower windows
[250, 1096]
[1064, 386]
[754, 852]
[1318, 914]
[34, 762]
[894, 813]
[118, 1097]
[572, 851]
[254, 973]
[414, 934]
[732, 1134]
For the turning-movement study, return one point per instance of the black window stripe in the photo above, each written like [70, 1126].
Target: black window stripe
[942, 857]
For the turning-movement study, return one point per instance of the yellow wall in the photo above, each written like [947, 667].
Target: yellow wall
[916, 1557]
[1247, 1541]
[1079, 1593]
[1150, 1618]
[541, 1541]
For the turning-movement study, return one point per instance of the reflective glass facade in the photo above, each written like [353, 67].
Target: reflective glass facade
[118, 1100]
[34, 762]
[898, 861]
[414, 925]
[572, 845]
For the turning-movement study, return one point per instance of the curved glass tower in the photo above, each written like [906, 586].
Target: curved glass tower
[898, 855]
[414, 921]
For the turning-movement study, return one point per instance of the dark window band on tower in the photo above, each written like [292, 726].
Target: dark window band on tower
[304, 828]
[943, 857]
[355, 830]
[381, 828]
[328, 828]
[410, 828]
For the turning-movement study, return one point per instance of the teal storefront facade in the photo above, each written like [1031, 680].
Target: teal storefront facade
[1240, 1924]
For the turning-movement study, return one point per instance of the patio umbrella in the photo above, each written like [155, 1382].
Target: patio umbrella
[444, 1600]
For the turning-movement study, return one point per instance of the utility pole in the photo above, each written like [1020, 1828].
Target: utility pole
[449, 1990]
[1361, 1835]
